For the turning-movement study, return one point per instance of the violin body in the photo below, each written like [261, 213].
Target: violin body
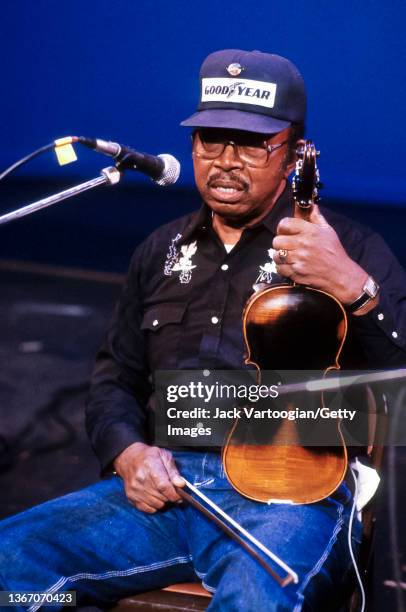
[289, 327]
[286, 328]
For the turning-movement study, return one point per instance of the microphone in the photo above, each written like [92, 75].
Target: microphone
[164, 169]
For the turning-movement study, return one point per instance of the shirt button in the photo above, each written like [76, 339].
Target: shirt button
[155, 322]
[214, 320]
[380, 316]
[394, 334]
[224, 267]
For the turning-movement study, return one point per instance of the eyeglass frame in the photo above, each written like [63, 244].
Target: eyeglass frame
[269, 148]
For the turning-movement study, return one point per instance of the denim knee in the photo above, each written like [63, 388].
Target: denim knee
[239, 583]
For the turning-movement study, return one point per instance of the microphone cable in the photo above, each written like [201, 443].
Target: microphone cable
[26, 159]
[59, 145]
[354, 562]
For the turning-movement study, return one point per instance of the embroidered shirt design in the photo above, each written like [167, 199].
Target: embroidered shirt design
[266, 270]
[172, 255]
[180, 262]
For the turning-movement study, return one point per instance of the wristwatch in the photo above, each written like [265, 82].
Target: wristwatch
[369, 291]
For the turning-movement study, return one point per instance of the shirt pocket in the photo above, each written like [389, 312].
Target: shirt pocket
[162, 324]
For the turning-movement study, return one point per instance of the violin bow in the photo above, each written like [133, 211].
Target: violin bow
[283, 581]
[335, 383]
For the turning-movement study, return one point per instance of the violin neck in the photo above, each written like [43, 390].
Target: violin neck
[303, 212]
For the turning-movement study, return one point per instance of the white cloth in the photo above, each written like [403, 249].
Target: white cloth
[368, 481]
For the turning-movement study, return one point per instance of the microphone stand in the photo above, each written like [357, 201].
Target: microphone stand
[108, 176]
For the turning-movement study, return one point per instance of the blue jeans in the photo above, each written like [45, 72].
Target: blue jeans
[96, 543]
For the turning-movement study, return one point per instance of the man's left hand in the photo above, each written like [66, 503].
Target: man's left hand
[316, 257]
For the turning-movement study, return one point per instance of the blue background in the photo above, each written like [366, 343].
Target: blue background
[127, 70]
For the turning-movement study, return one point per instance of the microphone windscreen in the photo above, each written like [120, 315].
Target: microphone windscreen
[171, 171]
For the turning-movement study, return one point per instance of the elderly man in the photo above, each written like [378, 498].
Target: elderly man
[181, 309]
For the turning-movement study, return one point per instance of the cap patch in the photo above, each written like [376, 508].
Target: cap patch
[243, 91]
[234, 69]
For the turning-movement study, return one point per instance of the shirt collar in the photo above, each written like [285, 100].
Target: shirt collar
[198, 223]
[200, 220]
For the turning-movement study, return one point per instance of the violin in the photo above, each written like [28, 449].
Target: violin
[289, 327]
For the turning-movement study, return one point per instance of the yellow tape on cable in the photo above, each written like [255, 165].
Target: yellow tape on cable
[65, 153]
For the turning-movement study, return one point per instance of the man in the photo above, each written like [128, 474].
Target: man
[181, 309]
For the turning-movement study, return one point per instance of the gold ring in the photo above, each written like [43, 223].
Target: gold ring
[283, 254]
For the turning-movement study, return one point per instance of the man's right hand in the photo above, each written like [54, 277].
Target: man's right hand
[150, 476]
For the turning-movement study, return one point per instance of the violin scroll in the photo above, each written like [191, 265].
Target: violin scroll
[306, 181]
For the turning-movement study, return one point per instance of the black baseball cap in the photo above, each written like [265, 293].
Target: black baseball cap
[249, 90]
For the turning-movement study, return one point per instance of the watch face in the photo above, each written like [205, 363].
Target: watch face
[371, 288]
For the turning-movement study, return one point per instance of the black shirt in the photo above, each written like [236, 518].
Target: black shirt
[181, 308]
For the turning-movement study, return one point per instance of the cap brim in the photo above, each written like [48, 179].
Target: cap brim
[236, 120]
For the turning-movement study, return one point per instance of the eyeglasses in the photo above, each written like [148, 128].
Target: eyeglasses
[251, 148]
